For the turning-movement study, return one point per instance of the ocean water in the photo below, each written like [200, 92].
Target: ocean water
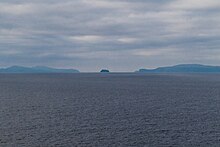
[109, 110]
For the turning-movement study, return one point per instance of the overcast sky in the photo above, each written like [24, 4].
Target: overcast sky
[121, 35]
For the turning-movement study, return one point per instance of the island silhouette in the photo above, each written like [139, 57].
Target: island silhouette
[184, 68]
[104, 71]
[36, 69]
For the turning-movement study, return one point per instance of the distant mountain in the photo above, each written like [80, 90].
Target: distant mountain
[36, 69]
[184, 68]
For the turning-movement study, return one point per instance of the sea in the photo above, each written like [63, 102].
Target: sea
[110, 110]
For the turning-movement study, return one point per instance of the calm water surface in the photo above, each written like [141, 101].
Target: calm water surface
[98, 110]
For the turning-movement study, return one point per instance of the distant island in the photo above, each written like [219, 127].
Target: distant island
[104, 70]
[36, 69]
[184, 68]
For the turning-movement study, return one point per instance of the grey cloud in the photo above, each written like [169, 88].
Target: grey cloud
[93, 34]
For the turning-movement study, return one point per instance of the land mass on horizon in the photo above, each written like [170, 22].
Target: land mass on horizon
[181, 68]
[104, 71]
[184, 68]
[36, 69]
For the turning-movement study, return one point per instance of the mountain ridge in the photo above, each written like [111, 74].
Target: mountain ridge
[193, 68]
[35, 69]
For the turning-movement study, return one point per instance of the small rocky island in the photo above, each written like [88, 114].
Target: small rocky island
[104, 71]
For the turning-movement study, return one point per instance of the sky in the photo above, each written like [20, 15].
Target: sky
[120, 35]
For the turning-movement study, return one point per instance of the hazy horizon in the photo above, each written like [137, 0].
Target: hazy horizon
[137, 69]
[121, 35]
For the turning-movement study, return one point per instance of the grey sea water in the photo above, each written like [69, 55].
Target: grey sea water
[115, 110]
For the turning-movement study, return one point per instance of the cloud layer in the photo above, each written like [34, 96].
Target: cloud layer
[122, 35]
